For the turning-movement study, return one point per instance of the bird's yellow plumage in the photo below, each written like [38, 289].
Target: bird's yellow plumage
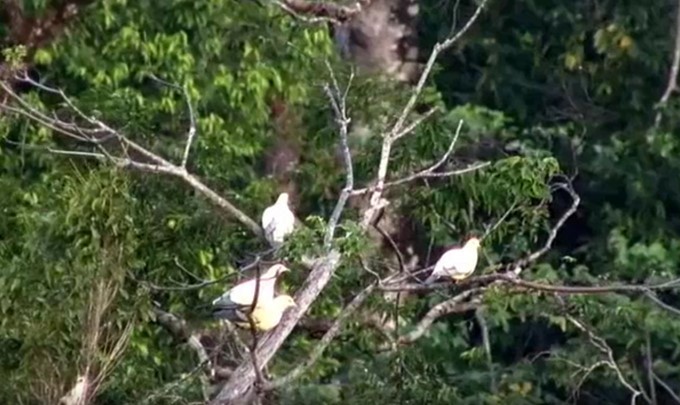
[267, 315]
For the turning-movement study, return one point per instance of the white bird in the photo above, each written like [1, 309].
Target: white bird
[457, 263]
[278, 221]
[265, 316]
[243, 294]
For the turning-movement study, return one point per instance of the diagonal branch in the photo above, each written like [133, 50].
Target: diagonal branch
[98, 130]
[397, 130]
[326, 340]
[672, 85]
[192, 119]
[459, 303]
[601, 344]
[313, 12]
[339, 105]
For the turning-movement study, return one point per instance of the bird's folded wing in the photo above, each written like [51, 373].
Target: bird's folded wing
[268, 217]
[231, 311]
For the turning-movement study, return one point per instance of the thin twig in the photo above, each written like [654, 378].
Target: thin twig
[601, 344]
[675, 67]
[397, 129]
[665, 386]
[339, 105]
[192, 119]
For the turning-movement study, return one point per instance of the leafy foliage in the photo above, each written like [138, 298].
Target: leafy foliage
[541, 89]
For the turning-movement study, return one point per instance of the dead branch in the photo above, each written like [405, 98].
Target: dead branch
[325, 341]
[672, 85]
[339, 104]
[431, 171]
[397, 130]
[456, 304]
[239, 385]
[601, 345]
[314, 12]
[96, 130]
[511, 280]
[192, 118]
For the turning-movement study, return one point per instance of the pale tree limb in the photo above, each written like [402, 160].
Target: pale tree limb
[192, 118]
[672, 85]
[396, 132]
[98, 131]
[314, 12]
[665, 386]
[325, 341]
[456, 304]
[431, 171]
[601, 345]
[339, 104]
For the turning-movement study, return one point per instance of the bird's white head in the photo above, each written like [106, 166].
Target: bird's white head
[283, 199]
[275, 271]
[473, 243]
[284, 301]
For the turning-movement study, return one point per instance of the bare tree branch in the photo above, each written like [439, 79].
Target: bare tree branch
[313, 12]
[601, 344]
[323, 269]
[576, 200]
[97, 129]
[665, 386]
[339, 104]
[456, 304]
[672, 85]
[326, 340]
[397, 129]
[192, 119]
[431, 171]
[240, 384]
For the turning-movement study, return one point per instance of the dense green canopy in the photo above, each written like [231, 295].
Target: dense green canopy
[566, 159]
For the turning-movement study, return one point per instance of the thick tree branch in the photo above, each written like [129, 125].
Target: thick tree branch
[239, 385]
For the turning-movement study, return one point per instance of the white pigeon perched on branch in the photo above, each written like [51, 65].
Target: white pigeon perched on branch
[278, 221]
[242, 295]
[457, 263]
